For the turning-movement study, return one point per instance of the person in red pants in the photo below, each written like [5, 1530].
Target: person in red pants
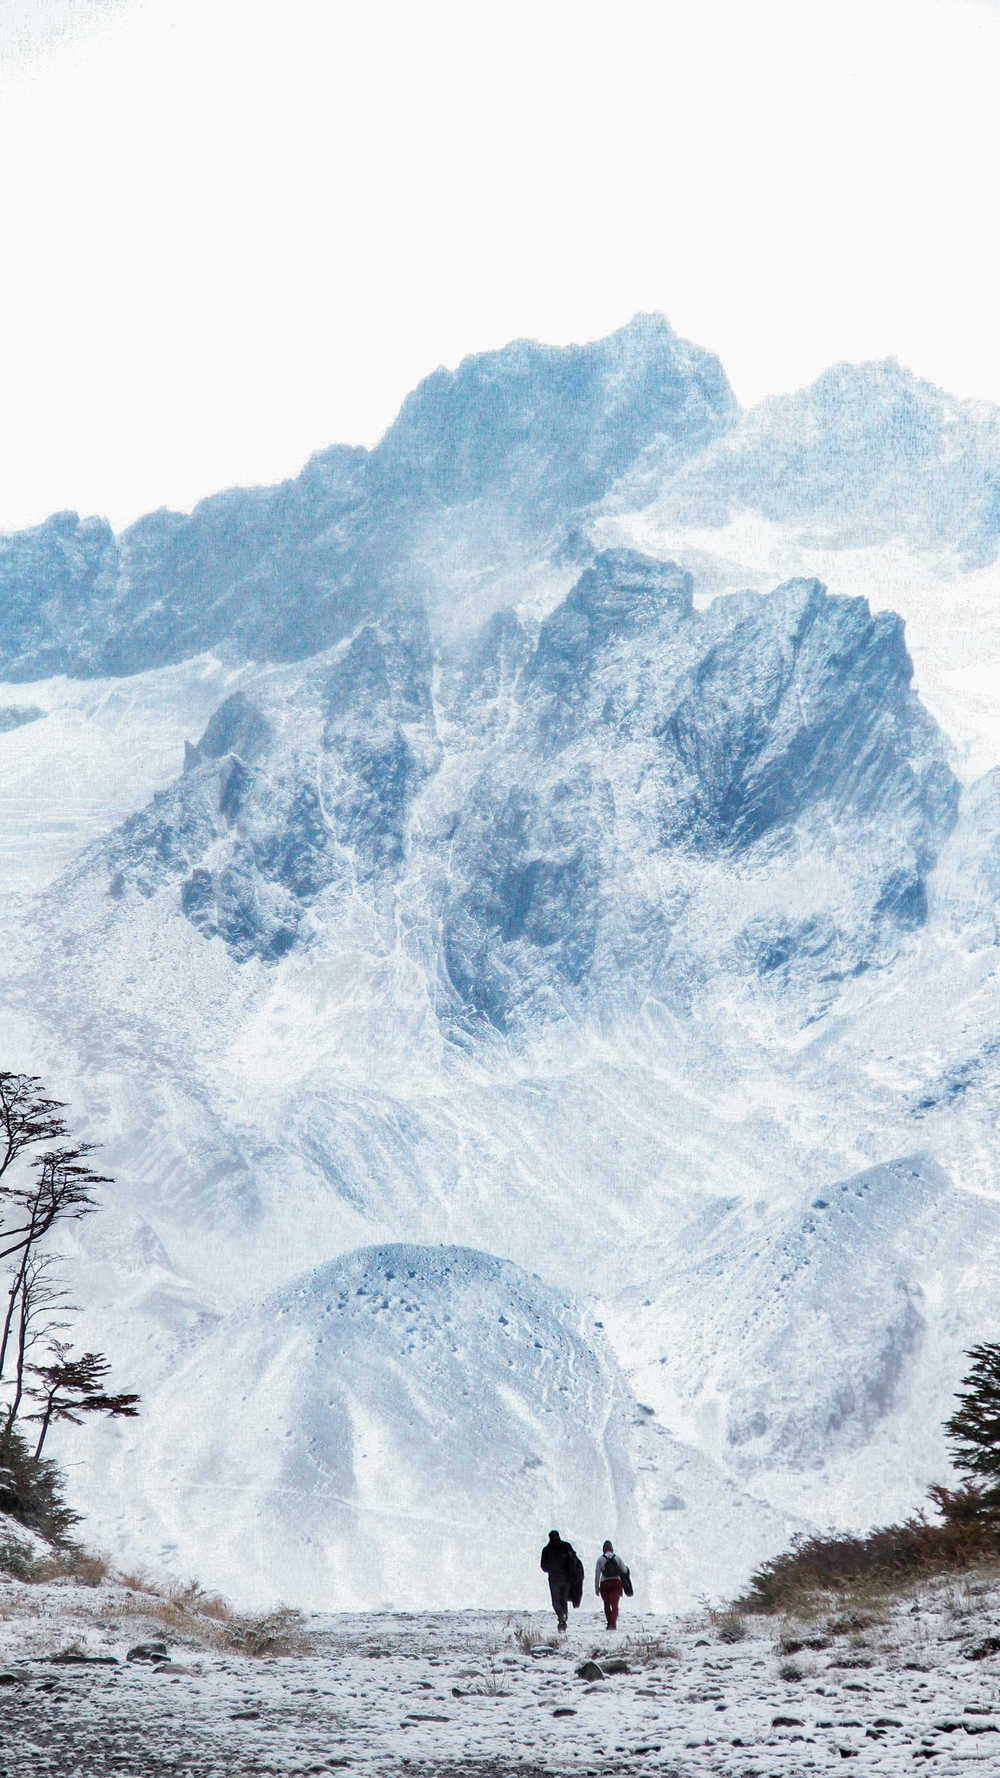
[610, 1582]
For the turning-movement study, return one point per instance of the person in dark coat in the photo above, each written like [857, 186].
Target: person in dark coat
[611, 1580]
[565, 1571]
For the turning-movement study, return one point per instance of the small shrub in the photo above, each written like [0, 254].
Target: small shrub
[850, 1623]
[730, 1626]
[36, 1489]
[267, 1634]
[37, 1566]
[47, 1568]
[791, 1671]
[491, 1684]
[17, 1560]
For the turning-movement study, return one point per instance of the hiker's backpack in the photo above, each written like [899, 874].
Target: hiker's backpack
[616, 1569]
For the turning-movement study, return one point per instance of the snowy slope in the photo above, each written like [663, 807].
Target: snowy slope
[809, 1375]
[96, 751]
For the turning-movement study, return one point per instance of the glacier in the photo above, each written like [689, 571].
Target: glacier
[513, 913]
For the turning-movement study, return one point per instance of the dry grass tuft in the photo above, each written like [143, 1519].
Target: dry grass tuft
[281, 1631]
[729, 1626]
[492, 1683]
[197, 1616]
[194, 1616]
[529, 1639]
[191, 1600]
[646, 1649]
[90, 1571]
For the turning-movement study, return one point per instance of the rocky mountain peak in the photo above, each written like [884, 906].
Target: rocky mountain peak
[553, 425]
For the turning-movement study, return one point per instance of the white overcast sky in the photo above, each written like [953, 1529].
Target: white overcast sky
[234, 231]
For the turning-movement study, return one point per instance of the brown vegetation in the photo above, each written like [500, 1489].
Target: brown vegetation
[966, 1536]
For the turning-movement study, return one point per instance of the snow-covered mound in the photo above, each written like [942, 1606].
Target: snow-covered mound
[404, 1424]
[399, 1425]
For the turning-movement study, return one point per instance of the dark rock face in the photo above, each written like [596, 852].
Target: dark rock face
[783, 715]
[14, 716]
[377, 694]
[647, 731]
[554, 814]
[279, 574]
[285, 821]
[549, 821]
[618, 597]
[236, 727]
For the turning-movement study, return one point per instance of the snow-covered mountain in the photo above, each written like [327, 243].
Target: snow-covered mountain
[537, 997]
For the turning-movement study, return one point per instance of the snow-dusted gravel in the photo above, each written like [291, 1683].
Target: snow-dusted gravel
[468, 1693]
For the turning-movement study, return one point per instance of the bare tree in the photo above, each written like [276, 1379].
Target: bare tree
[44, 1174]
[45, 1180]
[27, 1118]
[71, 1387]
[34, 1309]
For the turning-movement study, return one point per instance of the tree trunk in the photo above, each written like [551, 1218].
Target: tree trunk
[22, 1336]
[49, 1405]
[12, 1299]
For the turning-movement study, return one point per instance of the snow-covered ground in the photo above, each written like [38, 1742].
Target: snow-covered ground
[470, 1693]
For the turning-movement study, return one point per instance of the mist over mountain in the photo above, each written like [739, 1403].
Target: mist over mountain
[537, 996]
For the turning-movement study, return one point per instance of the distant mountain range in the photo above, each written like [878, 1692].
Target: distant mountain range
[536, 995]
